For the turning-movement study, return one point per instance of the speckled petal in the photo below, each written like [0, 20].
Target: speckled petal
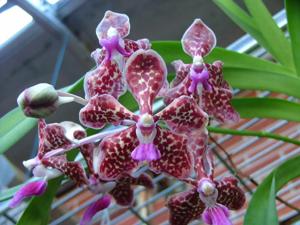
[123, 192]
[180, 90]
[145, 73]
[115, 154]
[87, 152]
[198, 39]
[230, 195]
[143, 180]
[105, 79]
[184, 115]
[185, 207]
[98, 55]
[181, 70]
[104, 109]
[203, 161]
[175, 158]
[144, 43]
[116, 20]
[131, 46]
[74, 170]
[51, 136]
[217, 102]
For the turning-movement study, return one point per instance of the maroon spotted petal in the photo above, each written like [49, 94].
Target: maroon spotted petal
[184, 115]
[51, 136]
[198, 39]
[123, 191]
[145, 73]
[105, 79]
[180, 90]
[131, 46]
[230, 195]
[116, 20]
[87, 151]
[175, 158]
[144, 43]
[217, 102]
[143, 180]
[115, 154]
[185, 207]
[74, 170]
[182, 70]
[104, 109]
[98, 55]
[203, 161]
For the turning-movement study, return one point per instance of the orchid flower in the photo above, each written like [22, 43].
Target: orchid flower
[120, 189]
[107, 77]
[201, 80]
[53, 136]
[145, 140]
[208, 198]
[213, 206]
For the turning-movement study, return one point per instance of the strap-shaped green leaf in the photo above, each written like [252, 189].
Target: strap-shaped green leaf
[243, 20]
[293, 16]
[279, 45]
[261, 80]
[262, 207]
[240, 60]
[172, 50]
[14, 125]
[253, 133]
[267, 108]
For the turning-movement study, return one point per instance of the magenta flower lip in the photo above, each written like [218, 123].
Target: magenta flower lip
[35, 188]
[94, 208]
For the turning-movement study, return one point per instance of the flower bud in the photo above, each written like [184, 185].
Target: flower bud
[40, 100]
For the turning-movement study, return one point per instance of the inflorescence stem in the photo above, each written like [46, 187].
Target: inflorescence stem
[87, 140]
[76, 98]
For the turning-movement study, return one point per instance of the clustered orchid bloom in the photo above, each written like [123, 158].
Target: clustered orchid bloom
[172, 141]
[203, 81]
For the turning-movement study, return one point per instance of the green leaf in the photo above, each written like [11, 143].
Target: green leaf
[262, 80]
[13, 126]
[129, 102]
[37, 212]
[244, 20]
[172, 50]
[262, 207]
[279, 46]
[267, 108]
[240, 60]
[253, 133]
[293, 16]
